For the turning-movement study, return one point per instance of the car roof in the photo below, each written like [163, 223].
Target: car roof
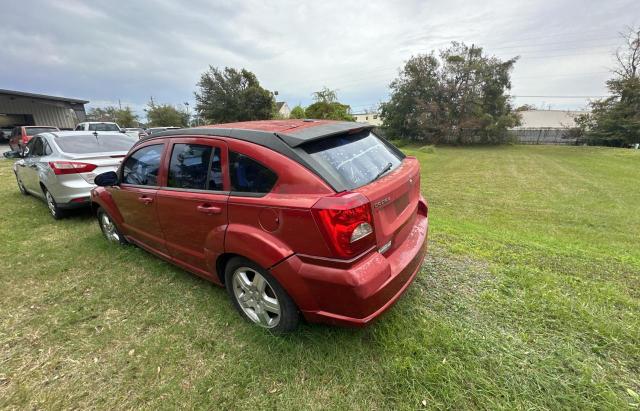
[40, 127]
[292, 132]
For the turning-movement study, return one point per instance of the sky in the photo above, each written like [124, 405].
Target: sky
[127, 51]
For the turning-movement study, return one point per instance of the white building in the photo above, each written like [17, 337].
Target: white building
[546, 126]
[283, 109]
[371, 118]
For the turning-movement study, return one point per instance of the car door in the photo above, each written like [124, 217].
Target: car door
[192, 206]
[135, 197]
[31, 164]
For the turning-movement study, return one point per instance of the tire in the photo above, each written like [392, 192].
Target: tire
[259, 298]
[55, 211]
[23, 190]
[109, 228]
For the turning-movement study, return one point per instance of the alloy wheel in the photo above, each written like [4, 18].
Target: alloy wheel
[51, 203]
[109, 228]
[256, 297]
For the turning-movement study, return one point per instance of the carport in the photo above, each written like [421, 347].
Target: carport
[18, 108]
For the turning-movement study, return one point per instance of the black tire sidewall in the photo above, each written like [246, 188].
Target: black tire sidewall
[58, 211]
[289, 314]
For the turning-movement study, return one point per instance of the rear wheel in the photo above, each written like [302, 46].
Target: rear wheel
[56, 212]
[109, 228]
[259, 297]
[21, 186]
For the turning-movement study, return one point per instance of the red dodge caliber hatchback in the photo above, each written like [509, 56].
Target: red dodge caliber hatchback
[294, 217]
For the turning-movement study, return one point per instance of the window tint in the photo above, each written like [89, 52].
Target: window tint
[32, 131]
[79, 127]
[89, 143]
[30, 147]
[354, 158]
[38, 147]
[249, 176]
[191, 164]
[103, 127]
[141, 168]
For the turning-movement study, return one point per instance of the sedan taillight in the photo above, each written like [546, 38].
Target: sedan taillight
[71, 167]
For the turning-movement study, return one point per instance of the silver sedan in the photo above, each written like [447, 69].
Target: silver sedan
[59, 167]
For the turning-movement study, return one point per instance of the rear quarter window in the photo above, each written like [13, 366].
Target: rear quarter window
[249, 176]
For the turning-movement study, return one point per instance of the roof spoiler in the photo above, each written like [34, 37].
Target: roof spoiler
[297, 137]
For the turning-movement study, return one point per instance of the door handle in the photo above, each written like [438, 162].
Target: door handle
[209, 209]
[145, 200]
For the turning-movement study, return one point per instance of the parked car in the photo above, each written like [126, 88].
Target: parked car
[5, 134]
[59, 167]
[315, 218]
[99, 126]
[135, 132]
[153, 130]
[21, 135]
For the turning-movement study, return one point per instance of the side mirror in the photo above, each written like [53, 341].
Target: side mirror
[25, 152]
[122, 130]
[108, 179]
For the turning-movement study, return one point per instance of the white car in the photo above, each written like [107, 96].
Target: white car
[99, 126]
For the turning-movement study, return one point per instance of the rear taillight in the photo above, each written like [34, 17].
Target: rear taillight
[346, 223]
[71, 167]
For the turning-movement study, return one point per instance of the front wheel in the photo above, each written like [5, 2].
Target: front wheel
[109, 229]
[259, 297]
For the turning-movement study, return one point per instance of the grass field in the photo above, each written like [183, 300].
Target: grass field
[529, 298]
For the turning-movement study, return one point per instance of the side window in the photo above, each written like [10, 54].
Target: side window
[30, 147]
[193, 166]
[141, 168]
[79, 127]
[249, 176]
[38, 148]
[93, 127]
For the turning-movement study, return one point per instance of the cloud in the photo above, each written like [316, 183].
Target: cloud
[133, 50]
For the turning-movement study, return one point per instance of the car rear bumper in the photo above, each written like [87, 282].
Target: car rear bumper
[354, 295]
[71, 192]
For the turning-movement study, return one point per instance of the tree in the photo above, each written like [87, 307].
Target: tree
[125, 117]
[297, 112]
[615, 120]
[459, 97]
[230, 95]
[327, 107]
[166, 115]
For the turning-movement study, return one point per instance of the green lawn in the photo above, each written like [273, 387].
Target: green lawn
[529, 298]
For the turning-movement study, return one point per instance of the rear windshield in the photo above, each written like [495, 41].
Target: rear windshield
[32, 131]
[355, 159]
[103, 127]
[89, 143]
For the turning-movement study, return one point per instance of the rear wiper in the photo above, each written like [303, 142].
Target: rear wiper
[384, 170]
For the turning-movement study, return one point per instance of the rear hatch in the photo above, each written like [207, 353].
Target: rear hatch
[364, 163]
[394, 201]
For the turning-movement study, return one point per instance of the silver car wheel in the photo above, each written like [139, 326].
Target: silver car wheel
[51, 203]
[109, 228]
[256, 297]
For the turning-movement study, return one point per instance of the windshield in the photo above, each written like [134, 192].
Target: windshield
[355, 159]
[32, 131]
[89, 143]
[104, 127]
